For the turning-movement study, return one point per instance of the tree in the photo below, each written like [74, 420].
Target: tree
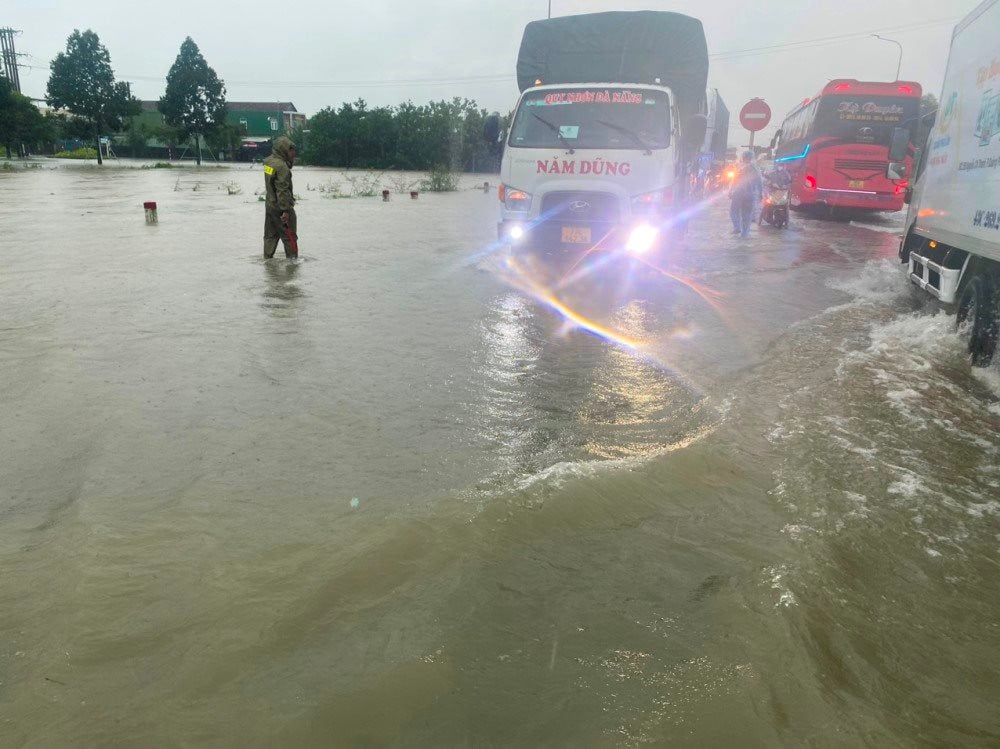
[136, 136]
[226, 138]
[441, 134]
[195, 100]
[20, 120]
[83, 82]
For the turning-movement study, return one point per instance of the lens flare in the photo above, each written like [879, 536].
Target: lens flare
[642, 239]
[523, 281]
[711, 297]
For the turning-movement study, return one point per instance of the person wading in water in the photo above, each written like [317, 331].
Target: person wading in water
[279, 210]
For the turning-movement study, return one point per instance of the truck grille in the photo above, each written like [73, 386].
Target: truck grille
[580, 206]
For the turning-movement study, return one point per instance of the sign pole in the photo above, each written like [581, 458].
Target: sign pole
[752, 133]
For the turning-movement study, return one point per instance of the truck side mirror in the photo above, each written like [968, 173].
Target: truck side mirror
[491, 128]
[694, 132]
[900, 144]
[896, 170]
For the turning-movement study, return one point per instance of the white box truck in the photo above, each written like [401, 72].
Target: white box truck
[610, 120]
[952, 239]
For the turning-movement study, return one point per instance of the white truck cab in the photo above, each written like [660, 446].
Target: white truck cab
[591, 165]
[611, 119]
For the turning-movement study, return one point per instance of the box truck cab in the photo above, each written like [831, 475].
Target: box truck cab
[610, 119]
[952, 240]
[591, 165]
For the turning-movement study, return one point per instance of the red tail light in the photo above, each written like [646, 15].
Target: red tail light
[663, 197]
[901, 186]
[502, 192]
[810, 182]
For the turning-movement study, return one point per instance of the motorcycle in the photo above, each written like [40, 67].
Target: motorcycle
[775, 210]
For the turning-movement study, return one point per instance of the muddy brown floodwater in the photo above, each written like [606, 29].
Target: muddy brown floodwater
[415, 490]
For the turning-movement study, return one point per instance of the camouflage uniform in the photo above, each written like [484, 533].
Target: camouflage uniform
[280, 197]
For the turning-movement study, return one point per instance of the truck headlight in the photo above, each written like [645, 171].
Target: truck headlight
[642, 239]
[515, 200]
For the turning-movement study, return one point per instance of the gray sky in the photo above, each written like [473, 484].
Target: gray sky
[386, 51]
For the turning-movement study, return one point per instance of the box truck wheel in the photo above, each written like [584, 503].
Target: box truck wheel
[979, 317]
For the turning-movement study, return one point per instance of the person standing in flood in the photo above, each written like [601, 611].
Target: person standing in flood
[745, 195]
[279, 210]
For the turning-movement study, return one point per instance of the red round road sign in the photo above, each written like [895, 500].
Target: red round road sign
[755, 115]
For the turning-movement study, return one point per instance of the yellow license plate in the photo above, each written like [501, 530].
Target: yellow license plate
[856, 183]
[576, 234]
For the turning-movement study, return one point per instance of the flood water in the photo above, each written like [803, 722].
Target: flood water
[414, 491]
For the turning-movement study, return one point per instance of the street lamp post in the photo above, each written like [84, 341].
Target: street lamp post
[899, 63]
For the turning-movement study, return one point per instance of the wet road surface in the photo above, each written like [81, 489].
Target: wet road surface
[413, 490]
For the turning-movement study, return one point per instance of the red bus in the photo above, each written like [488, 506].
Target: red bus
[836, 146]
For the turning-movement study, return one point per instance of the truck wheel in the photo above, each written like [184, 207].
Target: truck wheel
[978, 318]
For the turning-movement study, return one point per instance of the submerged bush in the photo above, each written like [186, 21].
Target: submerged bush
[441, 179]
[79, 153]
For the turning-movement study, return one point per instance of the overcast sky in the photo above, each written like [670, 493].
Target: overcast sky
[324, 52]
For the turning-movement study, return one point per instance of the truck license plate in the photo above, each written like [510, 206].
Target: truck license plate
[856, 183]
[576, 234]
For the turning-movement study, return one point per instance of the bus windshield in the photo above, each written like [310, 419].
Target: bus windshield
[633, 119]
[865, 119]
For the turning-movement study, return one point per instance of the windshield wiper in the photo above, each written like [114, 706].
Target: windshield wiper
[555, 130]
[631, 134]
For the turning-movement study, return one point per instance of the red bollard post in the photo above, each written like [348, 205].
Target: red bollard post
[385, 196]
[413, 194]
[150, 208]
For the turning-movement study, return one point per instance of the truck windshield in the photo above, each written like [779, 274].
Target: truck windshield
[865, 119]
[620, 118]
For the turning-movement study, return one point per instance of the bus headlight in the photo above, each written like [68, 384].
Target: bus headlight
[642, 239]
[516, 232]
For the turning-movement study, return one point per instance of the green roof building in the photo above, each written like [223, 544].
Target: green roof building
[259, 121]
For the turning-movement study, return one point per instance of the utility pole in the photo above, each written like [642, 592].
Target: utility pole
[9, 55]
[550, 8]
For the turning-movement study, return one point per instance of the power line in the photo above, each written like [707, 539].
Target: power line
[327, 84]
[825, 40]
[506, 77]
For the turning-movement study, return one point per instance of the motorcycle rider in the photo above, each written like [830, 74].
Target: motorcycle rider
[778, 179]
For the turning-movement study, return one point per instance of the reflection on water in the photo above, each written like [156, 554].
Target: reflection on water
[556, 390]
[281, 293]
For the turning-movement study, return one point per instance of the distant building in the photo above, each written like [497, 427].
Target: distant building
[259, 121]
